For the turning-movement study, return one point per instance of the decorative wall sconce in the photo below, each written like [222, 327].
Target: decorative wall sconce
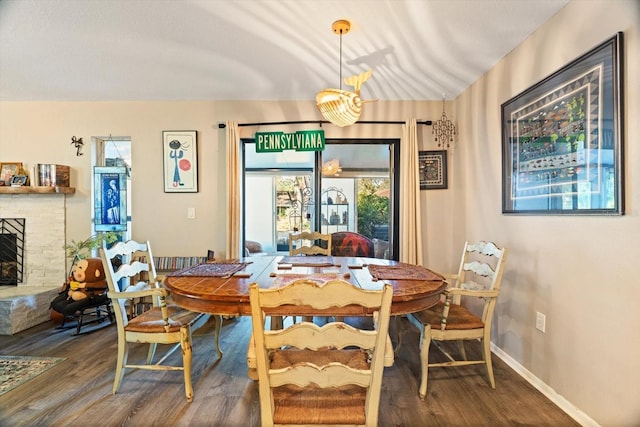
[444, 129]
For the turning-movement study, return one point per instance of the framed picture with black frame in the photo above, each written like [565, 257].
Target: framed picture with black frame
[180, 161]
[110, 198]
[432, 167]
[562, 139]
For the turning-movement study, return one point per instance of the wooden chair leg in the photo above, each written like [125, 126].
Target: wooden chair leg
[251, 359]
[185, 343]
[152, 352]
[462, 350]
[123, 353]
[486, 354]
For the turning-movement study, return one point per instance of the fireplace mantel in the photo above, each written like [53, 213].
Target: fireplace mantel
[36, 190]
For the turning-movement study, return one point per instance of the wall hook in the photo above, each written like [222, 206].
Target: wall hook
[77, 142]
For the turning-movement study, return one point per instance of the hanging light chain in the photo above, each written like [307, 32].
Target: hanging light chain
[340, 58]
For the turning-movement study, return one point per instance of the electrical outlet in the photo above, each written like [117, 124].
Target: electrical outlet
[191, 213]
[541, 321]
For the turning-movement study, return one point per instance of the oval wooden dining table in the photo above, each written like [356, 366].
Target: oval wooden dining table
[222, 287]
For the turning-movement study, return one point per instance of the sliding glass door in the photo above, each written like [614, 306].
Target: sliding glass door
[347, 187]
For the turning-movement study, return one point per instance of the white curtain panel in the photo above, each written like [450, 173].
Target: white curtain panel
[410, 215]
[234, 199]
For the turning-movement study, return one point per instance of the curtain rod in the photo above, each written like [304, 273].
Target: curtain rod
[320, 122]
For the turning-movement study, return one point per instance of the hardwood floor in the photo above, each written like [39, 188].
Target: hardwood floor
[77, 392]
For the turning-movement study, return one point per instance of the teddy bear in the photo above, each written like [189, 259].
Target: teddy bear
[87, 279]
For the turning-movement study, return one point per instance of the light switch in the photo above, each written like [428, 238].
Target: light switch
[191, 213]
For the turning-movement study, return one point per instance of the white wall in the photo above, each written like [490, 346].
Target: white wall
[40, 132]
[577, 270]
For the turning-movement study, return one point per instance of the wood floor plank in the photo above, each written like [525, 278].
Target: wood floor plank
[78, 390]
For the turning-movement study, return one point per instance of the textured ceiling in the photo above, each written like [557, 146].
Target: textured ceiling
[254, 49]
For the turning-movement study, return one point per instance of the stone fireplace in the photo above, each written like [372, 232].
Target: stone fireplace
[26, 303]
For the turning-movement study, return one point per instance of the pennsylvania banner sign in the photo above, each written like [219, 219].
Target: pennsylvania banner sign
[304, 140]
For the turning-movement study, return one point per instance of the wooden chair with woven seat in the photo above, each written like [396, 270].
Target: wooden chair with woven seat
[162, 323]
[309, 243]
[306, 373]
[478, 279]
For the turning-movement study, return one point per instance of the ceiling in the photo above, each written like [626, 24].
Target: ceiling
[100, 50]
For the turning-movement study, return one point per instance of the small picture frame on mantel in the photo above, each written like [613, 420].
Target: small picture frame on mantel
[19, 180]
[8, 170]
[433, 169]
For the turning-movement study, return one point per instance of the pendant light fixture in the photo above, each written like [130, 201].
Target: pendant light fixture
[342, 107]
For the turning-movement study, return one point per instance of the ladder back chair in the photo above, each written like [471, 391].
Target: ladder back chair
[161, 323]
[477, 282]
[310, 374]
[307, 243]
[310, 243]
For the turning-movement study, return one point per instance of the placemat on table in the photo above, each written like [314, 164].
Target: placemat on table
[402, 272]
[281, 280]
[211, 269]
[308, 261]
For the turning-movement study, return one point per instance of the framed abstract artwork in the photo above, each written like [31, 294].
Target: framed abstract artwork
[180, 161]
[110, 198]
[432, 169]
[562, 150]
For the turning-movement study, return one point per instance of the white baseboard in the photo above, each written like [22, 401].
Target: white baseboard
[550, 393]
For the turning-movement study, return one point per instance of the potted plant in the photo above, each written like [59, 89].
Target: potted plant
[79, 250]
